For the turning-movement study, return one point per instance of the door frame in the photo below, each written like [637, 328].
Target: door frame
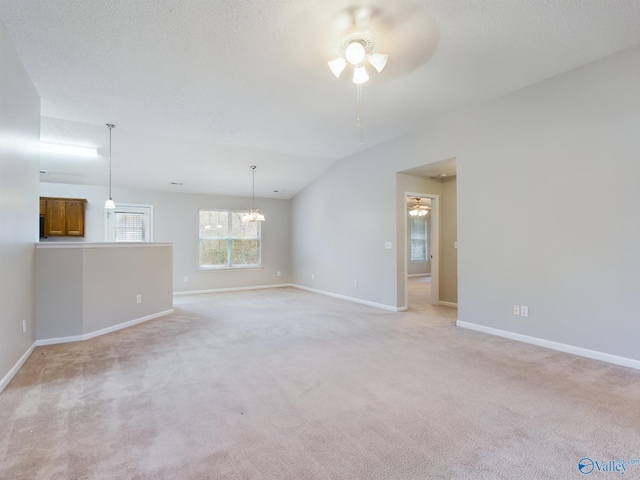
[434, 247]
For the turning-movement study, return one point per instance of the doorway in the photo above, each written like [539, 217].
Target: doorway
[422, 226]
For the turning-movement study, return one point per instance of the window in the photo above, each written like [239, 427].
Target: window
[228, 242]
[419, 239]
[129, 223]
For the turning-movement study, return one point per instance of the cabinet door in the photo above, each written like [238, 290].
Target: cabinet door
[75, 218]
[54, 224]
[43, 206]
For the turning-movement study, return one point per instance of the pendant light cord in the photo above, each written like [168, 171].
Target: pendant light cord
[253, 187]
[111, 127]
[359, 113]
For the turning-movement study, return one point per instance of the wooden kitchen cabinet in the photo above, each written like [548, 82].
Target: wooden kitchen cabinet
[63, 217]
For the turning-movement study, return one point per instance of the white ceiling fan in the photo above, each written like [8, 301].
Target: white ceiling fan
[418, 207]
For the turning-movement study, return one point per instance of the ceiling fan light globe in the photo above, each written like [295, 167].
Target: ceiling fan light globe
[355, 52]
[360, 75]
[337, 66]
[378, 61]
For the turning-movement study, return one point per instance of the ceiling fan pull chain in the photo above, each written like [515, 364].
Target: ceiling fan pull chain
[359, 112]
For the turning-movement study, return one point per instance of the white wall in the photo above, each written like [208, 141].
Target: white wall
[556, 166]
[80, 291]
[340, 224]
[19, 162]
[176, 221]
[548, 209]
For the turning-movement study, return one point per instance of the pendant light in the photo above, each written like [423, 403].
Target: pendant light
[253, 215]
[110, 204]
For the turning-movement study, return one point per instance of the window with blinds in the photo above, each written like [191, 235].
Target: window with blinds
[419, 239]
[129, 223]
[130, 227]
[228, 242]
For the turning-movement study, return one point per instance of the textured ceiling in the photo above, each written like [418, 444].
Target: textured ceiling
[200, 90]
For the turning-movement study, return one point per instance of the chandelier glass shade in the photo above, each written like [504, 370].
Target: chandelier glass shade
[418, 212]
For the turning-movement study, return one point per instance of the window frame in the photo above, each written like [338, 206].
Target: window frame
[229, 265]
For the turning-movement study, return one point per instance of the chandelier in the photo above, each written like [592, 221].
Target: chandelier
[253, 215]
[419, 210]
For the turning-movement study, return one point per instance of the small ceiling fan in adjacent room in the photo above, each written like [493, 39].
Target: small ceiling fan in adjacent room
[418, 207]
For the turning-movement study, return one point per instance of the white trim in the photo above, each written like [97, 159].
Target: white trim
[100, 244]
[12, 373]
[448, 304]
[352, 299]
[97, 333]
[231, 289]
[419, 275]
[226, 268]
[561, 347]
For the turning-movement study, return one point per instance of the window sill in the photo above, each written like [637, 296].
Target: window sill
[227, 269]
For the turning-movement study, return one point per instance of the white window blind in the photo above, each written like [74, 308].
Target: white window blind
[419, 239]
[130, 227]
[129, 223]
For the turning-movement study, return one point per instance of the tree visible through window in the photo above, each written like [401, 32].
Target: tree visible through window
[419, 239]
[226, 241]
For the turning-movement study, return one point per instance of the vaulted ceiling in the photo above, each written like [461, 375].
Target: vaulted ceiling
[201, 89]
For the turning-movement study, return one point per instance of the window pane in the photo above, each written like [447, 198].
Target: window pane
[418, 239]
[214, 224]
[240, 229]
[129, 227]
[245, 252]
[227, 241]
[213, 252]
[418, 251]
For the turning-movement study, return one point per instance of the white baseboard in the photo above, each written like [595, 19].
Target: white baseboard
[97, 333]
[411, 275]
[232, 289]
[351, 299]
[11, 373]
[448, 304]
[562, 347]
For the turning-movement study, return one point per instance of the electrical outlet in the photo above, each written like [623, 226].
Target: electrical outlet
[313, 276]
[278, 274]
[355, 283]
[524, 311]
[186, 279]
[24, 326]
[516, 310]
[138, 298]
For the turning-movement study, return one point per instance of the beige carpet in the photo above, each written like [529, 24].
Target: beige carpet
[286, 384]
